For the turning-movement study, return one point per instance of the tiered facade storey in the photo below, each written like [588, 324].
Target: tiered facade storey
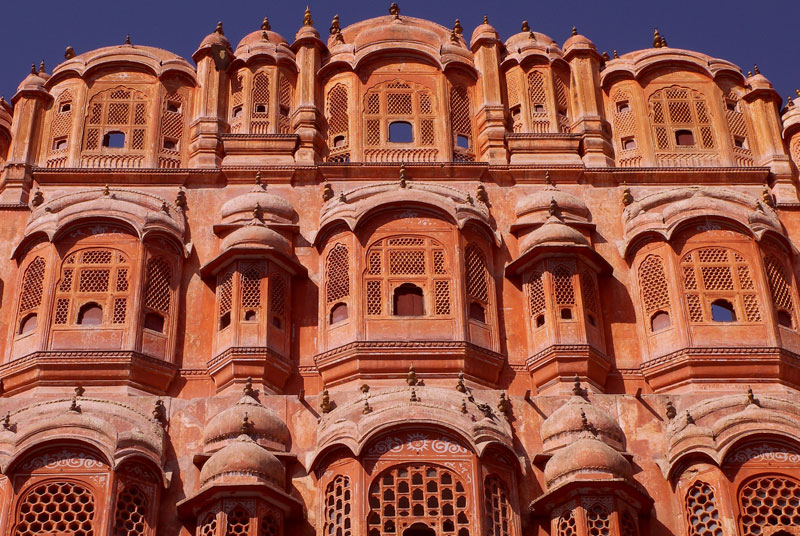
[399, 282]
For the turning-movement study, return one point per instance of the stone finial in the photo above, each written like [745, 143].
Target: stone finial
[577, 390]
[364, 388]
[325, 402]
[246, 425]
[486, 19]
[663, 42]
[547, 180]
[180, 200]
[584, 421]
[464, 407]
[411, 377]
[33, 68]
[106, 190]
[670, 410]
[605, 56]
[327, 191]
[789, 102]
[265, 25]
[73, 406]
[414, 395]
[342, 197]
[553, 208]
[453, 36]
[41, 67]
[367, 408]
[469, 199]
[749, 74]
[689, 418]
[656, 38]
[335, 29]
[481, 195]
[403, 176]
[457, 28]
[627, 197]
[38, 198]
[766, 197]
[751, 398]
[258, 178]
[503, 405]
[257, 211]
[69, 53]
[128, 39]
[219, 29]
[525, 26]
[574, 31]
[394, 10]
[79, 390]
[307, 20]
[159, 411]
[460, 387]
[164, 207]
[7, 421]
[248, 387]
[755, 69]
[616, 56]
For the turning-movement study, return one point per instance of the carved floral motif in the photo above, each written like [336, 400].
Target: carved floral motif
[764, 453]
[63, 459]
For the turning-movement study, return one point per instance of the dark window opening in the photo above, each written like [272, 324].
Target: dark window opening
[224, 321]
[250, 316]
[114, 140]
[538, 108]
[237, 111]
[419, 529]
[401, 132]
[477, 312]
[59, 143]
[739, 142]
[592, 322]
[28, 324]
[173, 107]
[338, 312]
[623, 106]
[660, 321]
[566, 313]
[462, 142]
[408, 300]
[730, 105]
[260, 108]
[785, 318]
[170, 144]
[154, 322]
[684, 137]
[284, 110]
[339, 141]
[90, 314]
[516, 111]
[277, 322]
[540, 321]
[722, 311]
[65, 107]
[629, 143]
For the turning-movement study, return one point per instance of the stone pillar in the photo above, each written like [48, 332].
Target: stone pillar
[586, 102]
[490, 120]
[307, 119]
[791, 131]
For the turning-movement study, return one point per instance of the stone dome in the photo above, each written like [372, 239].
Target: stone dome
[539, 201]
[217, 37]
[258, 38]
[552, 233]
[33, 81]
[242, 459]
[522, 40]
[567, 422]
[256, 235]
[272, 207]
[586, 458]
[386, 29]
[484, 31]
[264, 424]
[578, 40]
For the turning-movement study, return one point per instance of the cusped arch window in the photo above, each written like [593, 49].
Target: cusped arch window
[252, 292]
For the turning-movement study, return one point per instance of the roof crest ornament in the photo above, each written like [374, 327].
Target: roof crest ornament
[656, 38]
[41, 67]
[394, 10]
[486, 19]
[525, 26]
[265, 25]
[615, 54]
[128, 39]
[69, 53]
[218, 29]
[307, 20]
[755, 69]
[457, 27]
[574, 31]
[335, 29]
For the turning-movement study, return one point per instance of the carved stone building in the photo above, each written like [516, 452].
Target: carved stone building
[399, 281]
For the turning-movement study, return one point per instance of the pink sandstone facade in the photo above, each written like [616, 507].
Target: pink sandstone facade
[399, 281]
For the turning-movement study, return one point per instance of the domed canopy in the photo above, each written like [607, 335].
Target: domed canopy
[257, 236]
[535, 207]
[574, 419]
[273, 208]
[215, 38]
[242, 461]
[263, 423]
[587, 458]
[577, 40]
[552, 233]
[264, 42]
[482, 32]
[34, 81]
[259, 37]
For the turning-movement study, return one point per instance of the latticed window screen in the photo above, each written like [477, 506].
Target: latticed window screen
[779, 285]
[271, 524]
[408, 259]
[284, 105]
[589, 293]
[32, 287]
[497, 508]
[563, 286]
[158, 292]
[712, 273]
[277, 295]
[259, 104]
[338, 124]
[398, 101]
[242, 293]
[62, 124]
[653, 285]
[766, 503]
[534, 288]
[628, 525]
[738, 129]
[624, 122]
[208, 527]
[172, 126]
[59, 507]
[338, 508]
[130, 513]
[225, 297]
[250, 294]
[537, 98]
[238, 522]
[237, 103]
[598, 520]
[566, 524]
[337, 274]
[461, 124]
[701, 510]
[674, 109]
[477, 276]
[427, 493]
[117, 110]
[562, 103]
[98, 276]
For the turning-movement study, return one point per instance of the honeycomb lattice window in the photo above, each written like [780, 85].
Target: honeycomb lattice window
[535, 290]
[563, 286]
[768, 502]
[567, 525]
[250, 295]
[32, 288]
[284, 105]
[58, 507]
[277, 295]
[209, 526]
[337, 274]
[780, 288]
[225, 298]
[238, 522]
[537, 100]
[423, 493]
[60, 129]
[677, 110]
[172, 131]
[338, 121]
[737, 126]
[794, 151]
[93, 276]
[121, 110]
[624, 122]
[653, 285]
[259, 104]
[237, 102]
[461, 125]
[497, 508]
[477, 276]
[589, 293]
[399, 101]
[338, 508]
[158, 292]
[598, 521]
[130, 513]
[562, 104]
[409, 259]
[701, 510]
[714, 273]
[270, 524]
[628, 525]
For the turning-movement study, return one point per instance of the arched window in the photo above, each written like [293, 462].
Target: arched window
[31, 295]
[338, 508]
[418, 493]
[536, 302]
[598, 520]
[172, 127]
[701, 510]
[477, 282]
[767, 502]
[564, 291]
[238, 522]
[537, 95]
[461, 125]
[780, 291]
[57, 507]
[130, 513]
[719, 286]
[591, 305]
[237, 104]
[408, 300]
[224, 299]
[121, 111]
[337, 278]
[497, 508]
[681, 122]
[655, 292]
[562, 103]
[284, 104]
[338, 124]
[737, 126]
[624, 122]
[566, 524]
[251, 291]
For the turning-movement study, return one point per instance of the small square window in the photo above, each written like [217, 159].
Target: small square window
[260, 108]
[731, 106]
[684, 138]
[237, 111]
[538, 108]
[170, 144]
[516, 111]
[629, 143]
[65, 107]
[59, 144]
[623, 106]
[740, 142]
[173, 106]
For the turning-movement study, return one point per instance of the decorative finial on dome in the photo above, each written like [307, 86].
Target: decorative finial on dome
[180, 200]
[342, 197]
[265, 25]
[327, 191]
[464, 407]
[789, 102]
[503, 405]
[577, 390]
[411, 377]
[766, 197]
[755, 69]
[164, 207]
[797, 91]
[457, 27]
[689, 418]
[414, 395]
[670, 410]
[751, 398]
[486, 19]
[553, 208]
[615, 54]
[307, 20]
[664, 42]
[605, 56]
[79, 390]
[481, 195]
[367, 408]
[460, 387]
[469, 200]
[394, 10]
[246, 425]
[525, 26]
[364, 388]
[128, 39]
[325, 402]
[453, 36]
[248, 387]
[33, 68]
[69, 53]
[656, 39]
[403, 176]
[159, 411]
[41, 67]
[547, 180]
[258, 178]
[627, 197]
[749, 74]
[335, 29]
[73, 406]
[257, 213]
[106, 190]
[584, 421]
[7, 421]
[38, 198]
[574, 31]
[218, 29]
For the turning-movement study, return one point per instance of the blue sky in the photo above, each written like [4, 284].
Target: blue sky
[732, 30]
